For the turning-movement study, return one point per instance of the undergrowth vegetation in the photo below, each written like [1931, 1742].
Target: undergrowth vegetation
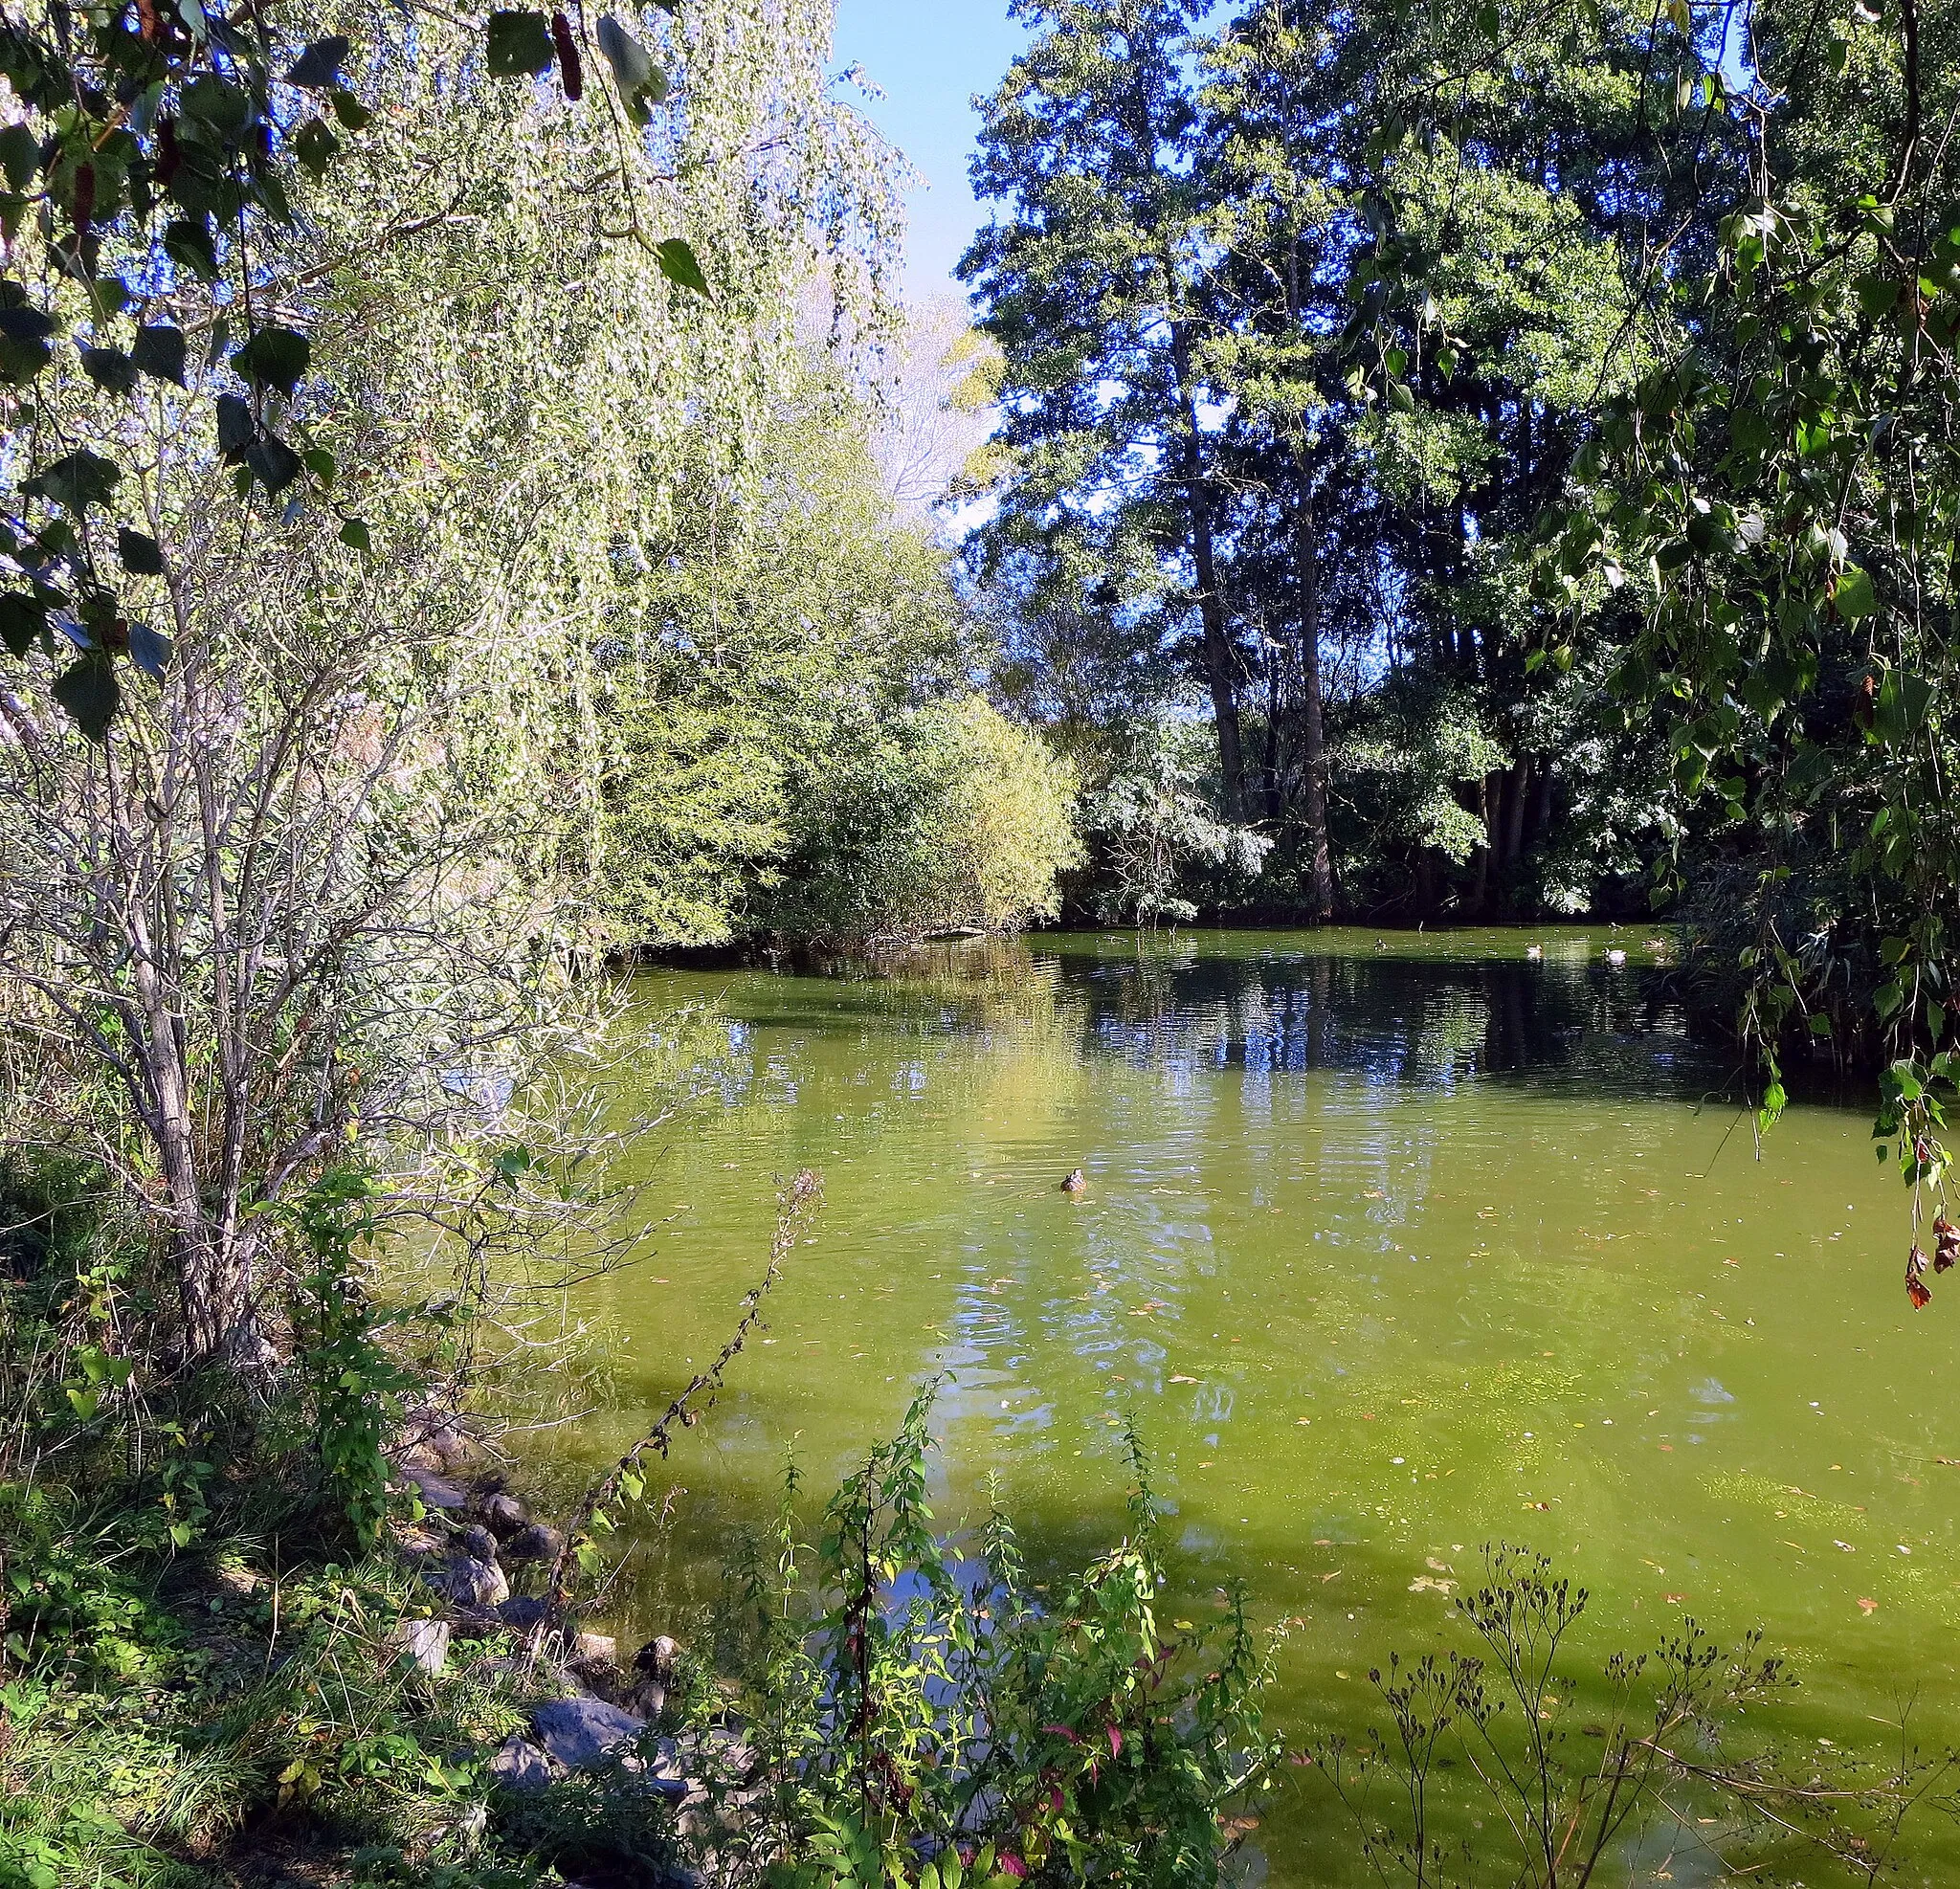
[920, 1710]
[211, 1669]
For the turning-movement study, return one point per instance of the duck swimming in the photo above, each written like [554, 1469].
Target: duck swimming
[1075, 1181]
[1534, 953]
[1615, 957]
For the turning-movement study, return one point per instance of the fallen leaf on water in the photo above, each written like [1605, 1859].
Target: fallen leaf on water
[1947, 1462]
[1428, 1584]
[1334, 1576]
[1673, 1600]
[1440, 1567]
[1867, 1606]
[1375, 1193]
[1180, 1378]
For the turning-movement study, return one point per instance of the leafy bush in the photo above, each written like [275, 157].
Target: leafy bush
[1155, 827]
[921, 1717]
[785, 624]
[950, 818]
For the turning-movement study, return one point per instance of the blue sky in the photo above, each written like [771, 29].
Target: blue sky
[930, 56]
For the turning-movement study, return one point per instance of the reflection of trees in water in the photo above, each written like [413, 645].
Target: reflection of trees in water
[983, 979]
[1394, 1020]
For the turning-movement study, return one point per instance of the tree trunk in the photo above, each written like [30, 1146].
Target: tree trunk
[1306, 556]
[1218, 671]
[1487, 812]
[1276, 757]
[1219, 663]
[208, 1287]
[1541, 807]
[1313, 729]
[1514, 807]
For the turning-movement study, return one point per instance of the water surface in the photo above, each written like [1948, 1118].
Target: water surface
[1395, 1247]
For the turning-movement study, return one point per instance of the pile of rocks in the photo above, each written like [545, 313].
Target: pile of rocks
[473, 1538]
[468, 1537]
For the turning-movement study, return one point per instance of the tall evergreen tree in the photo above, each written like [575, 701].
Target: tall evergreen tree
[1095, 285]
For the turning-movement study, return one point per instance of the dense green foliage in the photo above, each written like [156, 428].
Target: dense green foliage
[1532, 423]
[979, 1723]
[1285, 400]
[794, 744]
[160, 172]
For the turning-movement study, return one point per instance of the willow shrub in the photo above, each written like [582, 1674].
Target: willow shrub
[949, 817]
[924, 1718]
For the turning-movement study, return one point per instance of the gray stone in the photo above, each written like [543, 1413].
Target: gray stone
[581, 1731]
[435, 1491]
[419, 1543]
[535, 1543]
[521, 1614]
[518, 1765]
[507, 1515]
[596, 1646]
[425, 1641]
[657, 1660]
[661, 1778]
[468, 1582]
[479, 1542]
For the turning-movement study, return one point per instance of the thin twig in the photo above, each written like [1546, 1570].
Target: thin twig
[797, 1200]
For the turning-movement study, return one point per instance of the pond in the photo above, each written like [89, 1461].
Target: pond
[1395, 1247]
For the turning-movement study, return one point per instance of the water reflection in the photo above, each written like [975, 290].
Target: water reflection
[1432, 1013]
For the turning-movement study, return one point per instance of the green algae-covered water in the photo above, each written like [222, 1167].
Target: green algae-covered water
[1395, 1247]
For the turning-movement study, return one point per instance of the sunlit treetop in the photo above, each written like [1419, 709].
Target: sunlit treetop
[157, 159]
